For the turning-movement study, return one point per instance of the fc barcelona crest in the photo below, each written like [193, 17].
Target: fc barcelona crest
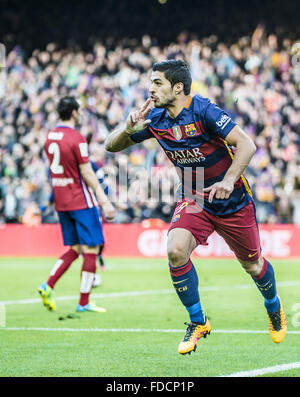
[190, 129]
[177, 132]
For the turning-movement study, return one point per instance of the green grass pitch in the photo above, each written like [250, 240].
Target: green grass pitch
[139, 334]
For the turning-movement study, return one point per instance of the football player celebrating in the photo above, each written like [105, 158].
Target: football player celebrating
[197, 135]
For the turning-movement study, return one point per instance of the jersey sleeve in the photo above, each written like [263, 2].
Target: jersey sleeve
[81, 151]
[218, 121]
[141, 135]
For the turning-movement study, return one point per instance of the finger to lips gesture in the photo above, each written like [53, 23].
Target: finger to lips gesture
[137, 120]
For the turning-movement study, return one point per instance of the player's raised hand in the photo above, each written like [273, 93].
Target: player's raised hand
[137, 120]
[108, 211]
[220, 190]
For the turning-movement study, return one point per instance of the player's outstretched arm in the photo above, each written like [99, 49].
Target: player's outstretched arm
[136, 121]
[245, 149]
[91, 180]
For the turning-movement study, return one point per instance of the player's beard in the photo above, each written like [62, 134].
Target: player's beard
[164, 104]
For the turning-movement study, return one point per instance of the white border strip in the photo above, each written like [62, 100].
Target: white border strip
[263, 371]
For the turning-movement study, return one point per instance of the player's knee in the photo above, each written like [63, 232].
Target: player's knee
[176, 255]
[253, 268]
[76, 248]
[91, 250]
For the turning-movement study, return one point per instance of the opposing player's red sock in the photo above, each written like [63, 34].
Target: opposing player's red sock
[62, 264]
[87, 277]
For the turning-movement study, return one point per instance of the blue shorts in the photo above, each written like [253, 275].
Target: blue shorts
[81, 227]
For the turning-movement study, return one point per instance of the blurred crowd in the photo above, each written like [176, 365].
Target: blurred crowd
[256, 80]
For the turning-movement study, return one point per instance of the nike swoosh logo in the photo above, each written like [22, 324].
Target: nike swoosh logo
[177, 282]
[264, 285]
[162, 133]
[250, 255]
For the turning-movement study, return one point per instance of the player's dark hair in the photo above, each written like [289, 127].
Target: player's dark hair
[66, 106]
[176, 71]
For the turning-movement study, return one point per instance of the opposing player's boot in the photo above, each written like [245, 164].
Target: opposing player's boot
[194, 332]
[90, 307]
[277, 324]
[46, 294]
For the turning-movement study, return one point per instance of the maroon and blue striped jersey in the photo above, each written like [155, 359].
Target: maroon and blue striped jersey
[196, 139]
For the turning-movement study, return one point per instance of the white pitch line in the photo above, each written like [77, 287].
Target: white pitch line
[263, 371]
[88, 329]
[219, 331]
[107, 295]
[147, 292]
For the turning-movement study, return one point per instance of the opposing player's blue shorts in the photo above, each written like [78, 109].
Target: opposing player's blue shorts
[81, 227]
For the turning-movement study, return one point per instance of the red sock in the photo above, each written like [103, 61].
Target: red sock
[87, 277]
[61, 266]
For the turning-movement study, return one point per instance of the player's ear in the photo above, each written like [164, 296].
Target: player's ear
[75, 113]
[178, 88]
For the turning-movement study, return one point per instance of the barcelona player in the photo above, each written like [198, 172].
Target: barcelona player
[197, 135]
[77, 194]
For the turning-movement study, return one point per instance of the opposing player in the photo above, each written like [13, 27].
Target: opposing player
[195, 134]
[77, 193]
[48, 204]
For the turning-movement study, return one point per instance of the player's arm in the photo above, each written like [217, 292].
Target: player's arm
[219, 123]
[91, 180]
[245, 149]
[136, 121]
